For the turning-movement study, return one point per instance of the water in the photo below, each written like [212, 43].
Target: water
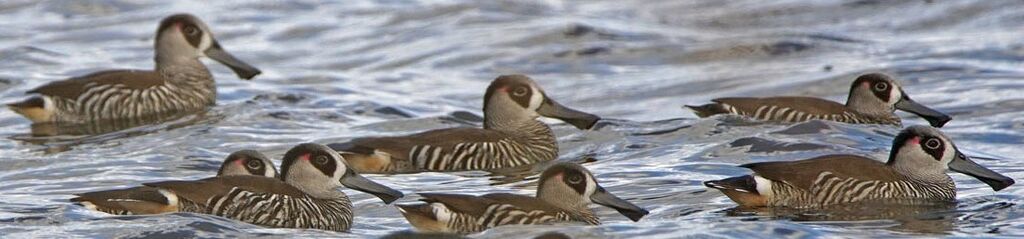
[334, 71]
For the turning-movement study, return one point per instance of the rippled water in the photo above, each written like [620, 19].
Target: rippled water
[334, 71]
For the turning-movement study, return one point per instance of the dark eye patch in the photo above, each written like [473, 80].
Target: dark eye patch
[934, 147]
[323, 162]
[881, 86]
[881, 94]
[576, 180]
[521, 94]
[193, 39]
[254, 166]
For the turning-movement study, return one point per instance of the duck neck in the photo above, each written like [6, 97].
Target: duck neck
[314, 186]
[928, 183]
[528, 132]
[514, 123]
[179, 63]
[868, 105]
[567, 201]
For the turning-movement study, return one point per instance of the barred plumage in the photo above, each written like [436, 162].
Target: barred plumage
[914, 174]
[179, 83]
[189, 91]
[873, 99]
[506, 214]
[511, 137]
[535, 144]
[276, 210]
[306, 198]
[149, 200]
[787, 114]
[563, 194]
[829, 189]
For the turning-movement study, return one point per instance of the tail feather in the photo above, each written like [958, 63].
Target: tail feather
[137, 200]
[31, 102]
[33, 108]
[418, 209]
[707, 110]
[350, 147]
[745, 184]
[422, 217]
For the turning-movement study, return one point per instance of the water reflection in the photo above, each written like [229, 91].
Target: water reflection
[928, 218]
[60, 137]
[501, 176]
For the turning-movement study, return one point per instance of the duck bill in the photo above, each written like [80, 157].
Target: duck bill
[625, 208]
[964, 165]
[242, 69]
[581, 120]
[935, 118]
[355, 181]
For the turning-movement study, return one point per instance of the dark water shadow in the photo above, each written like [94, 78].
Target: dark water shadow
[60, 137]
[761, 145]
[927, 218]
[502, 176]
[415, 234]
[643, 128]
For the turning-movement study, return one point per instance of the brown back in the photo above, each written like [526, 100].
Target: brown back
[201, 191]
[808, 105]
[399, 146]
[477, 205]
[802, 173]
[72, 88]
[102, 198]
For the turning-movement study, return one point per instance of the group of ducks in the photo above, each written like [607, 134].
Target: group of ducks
[304, 195]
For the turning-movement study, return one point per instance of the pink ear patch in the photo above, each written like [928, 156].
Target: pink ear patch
[914, 140]
[239, 161]
[304, 157]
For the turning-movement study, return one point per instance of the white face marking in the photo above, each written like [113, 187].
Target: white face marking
[948, 153]
[269, 170]
[536, 98]
[591, 187]
[204, 43]
[895, 94]
[340, 170]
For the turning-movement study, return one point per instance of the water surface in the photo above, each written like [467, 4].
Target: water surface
[339, 70]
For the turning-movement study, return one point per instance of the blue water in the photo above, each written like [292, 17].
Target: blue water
[339, 70]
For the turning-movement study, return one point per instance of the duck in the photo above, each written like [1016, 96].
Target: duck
[139, 200]
[511, 136]
[564, 192]
[915, 174]
[180, 83]
[304, 196]
[873, 99]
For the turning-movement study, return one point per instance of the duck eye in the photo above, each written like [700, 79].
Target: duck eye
[321, 159]
[521, 91]
[932, 143]
[191, 30]
[254, 164]
[575, 179]
[881, 86]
